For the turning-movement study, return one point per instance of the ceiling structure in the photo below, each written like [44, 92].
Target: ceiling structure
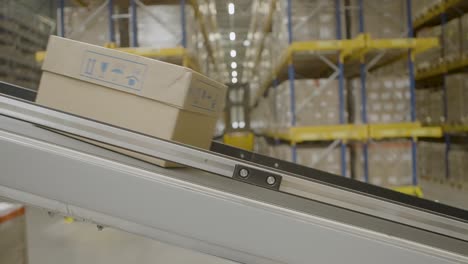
[241, 25]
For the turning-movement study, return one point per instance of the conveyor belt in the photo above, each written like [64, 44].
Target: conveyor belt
[324, 211]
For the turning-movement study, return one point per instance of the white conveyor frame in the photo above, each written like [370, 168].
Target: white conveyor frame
[201, 210]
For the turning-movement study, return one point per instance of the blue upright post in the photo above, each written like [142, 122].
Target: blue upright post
[275, 87]
[111, 21]
[183, 22]
[291, 77]
[412, 91]
[363, 76]
[61, 4]
[133, 23]
[443, 23]
[340, 85]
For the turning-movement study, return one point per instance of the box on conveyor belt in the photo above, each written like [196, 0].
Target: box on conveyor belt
[133, 92]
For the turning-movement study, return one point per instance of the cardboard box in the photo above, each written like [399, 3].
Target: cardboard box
[389, 163]
[133, 92]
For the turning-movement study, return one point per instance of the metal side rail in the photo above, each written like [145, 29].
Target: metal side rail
[356, 221]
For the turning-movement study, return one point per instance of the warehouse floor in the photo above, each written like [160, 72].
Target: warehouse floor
[52, 241]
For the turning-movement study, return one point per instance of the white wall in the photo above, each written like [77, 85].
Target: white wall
[52, 241]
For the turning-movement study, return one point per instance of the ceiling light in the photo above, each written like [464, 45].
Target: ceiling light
[246, 42]
[241, 124]
[233, 53]
[233, 65]
[232, 36]
[234, 73]
[235, 125]
[231, 8]
[234, 80]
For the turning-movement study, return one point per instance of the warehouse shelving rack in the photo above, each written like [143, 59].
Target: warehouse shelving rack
[177, 55]
[351, 53]
[22, 33]
[439, 14]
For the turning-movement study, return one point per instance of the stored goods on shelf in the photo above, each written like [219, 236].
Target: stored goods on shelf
[422, 6]
[311, 20]
[452, 40]
[314, 155]
[457, 98]
[431, 160]
[388, 99]
[318, 156]
[317, 102]
[382, 19]
[389, 163]
[433, 56]
[458, 165]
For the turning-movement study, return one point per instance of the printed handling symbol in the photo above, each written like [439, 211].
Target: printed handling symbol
[104, 66]
[132, 80]
[117, 71]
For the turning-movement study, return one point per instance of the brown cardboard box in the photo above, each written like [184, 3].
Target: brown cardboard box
[129, 91]
[389, 163]
[452, 42]
[465, 34]
[457, 94]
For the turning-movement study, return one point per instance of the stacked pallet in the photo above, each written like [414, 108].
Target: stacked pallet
[457, 98]
[389, 163]
[382, 19]
[453, 39]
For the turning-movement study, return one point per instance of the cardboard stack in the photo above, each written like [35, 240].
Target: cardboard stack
[388, 99]
[458, 166]
[422, 106]
[452, 41]
[419, 7]
[311, 154]
[311, 20]
[317, 102]
[317, 156]
[457, 98]
[262, 117]
[431, 160]
[382, 19]
[389, 163]
[133, 92]
[433, 56]
[13, 243]
[464, 36]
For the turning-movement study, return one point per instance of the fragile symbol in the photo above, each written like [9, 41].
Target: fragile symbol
[90, 66]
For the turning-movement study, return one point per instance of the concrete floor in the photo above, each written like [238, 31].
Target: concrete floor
[52, 241]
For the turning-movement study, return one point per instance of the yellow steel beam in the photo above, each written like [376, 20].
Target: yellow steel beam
[330, 132]
[325, 45]
[418, 44]
[435, 11]
[402, 130]
[155, 53]
[461, 128]
[355, 132]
